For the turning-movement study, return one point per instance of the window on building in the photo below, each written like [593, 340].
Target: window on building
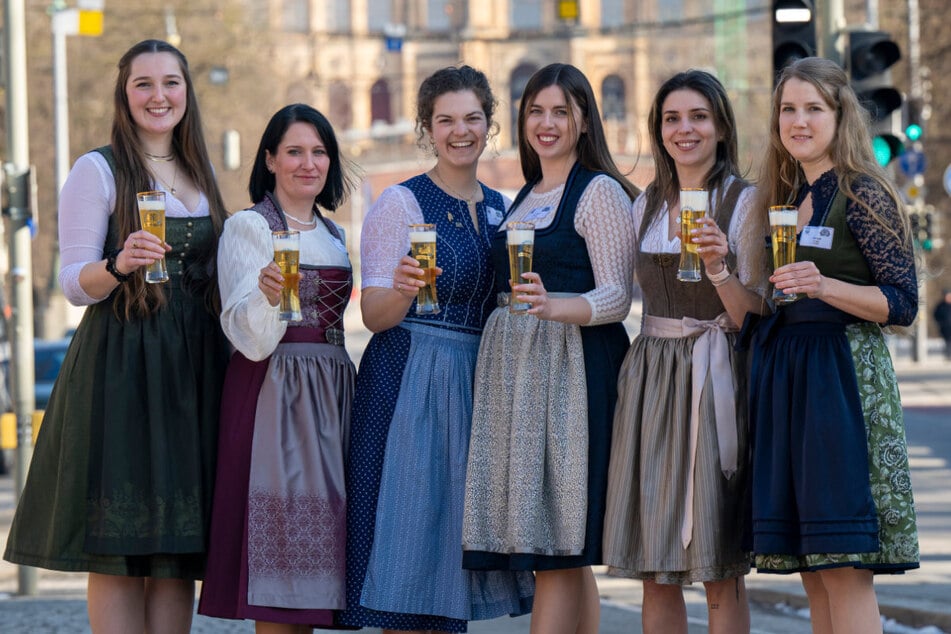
[341, 107]
[381, 108]
[338, 16]
[612, 98]
[439, 14]
[612, 13]
[670, 10]
[526, 14]
[517, 83]
[378, 14]
[295, 16]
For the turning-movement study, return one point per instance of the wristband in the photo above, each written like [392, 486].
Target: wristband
[721, 278]
[111, 267]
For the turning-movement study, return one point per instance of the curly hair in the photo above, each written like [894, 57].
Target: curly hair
[453, 79]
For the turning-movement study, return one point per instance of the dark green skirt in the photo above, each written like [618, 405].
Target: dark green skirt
[122, 475]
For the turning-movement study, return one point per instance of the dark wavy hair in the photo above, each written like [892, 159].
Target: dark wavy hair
[592, 148]
[666, 186]
[453, 79]
[339, 182]
[136, 297]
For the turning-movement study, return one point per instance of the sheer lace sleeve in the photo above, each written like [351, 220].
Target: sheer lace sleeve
[385, 237]
[85, 204]
[747, 240]
[605, 221]
[251, 324]
[891, 261]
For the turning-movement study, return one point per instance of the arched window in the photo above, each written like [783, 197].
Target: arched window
[519, 78]
[381, 108]
[612, 98]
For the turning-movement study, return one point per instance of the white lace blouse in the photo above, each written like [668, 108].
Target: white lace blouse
[248, 320]
[87, 200]
[603, 219]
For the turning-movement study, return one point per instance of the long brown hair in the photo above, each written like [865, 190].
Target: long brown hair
[135, 297]
[592, 147]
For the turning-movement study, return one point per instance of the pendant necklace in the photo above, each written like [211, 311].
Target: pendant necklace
[307, 223]
[469, 199]
[171, 188]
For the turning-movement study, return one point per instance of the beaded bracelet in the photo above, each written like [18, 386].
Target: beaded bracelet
[721, 278]
[111, 267]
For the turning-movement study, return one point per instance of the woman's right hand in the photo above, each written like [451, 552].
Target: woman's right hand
[140, 249]
[270, 282]
[406, 277]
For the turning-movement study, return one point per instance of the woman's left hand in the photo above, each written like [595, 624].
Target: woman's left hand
[711, 244]
[532, 291]
[799, 277]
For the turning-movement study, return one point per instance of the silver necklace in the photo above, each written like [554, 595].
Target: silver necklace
[307, 223]
[164, 158]
[469, 200]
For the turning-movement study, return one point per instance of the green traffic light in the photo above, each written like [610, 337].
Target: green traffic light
[927, 244]
[913, 132]
[883, 151]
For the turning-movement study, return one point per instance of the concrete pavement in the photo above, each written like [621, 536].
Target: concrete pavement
[919, 599]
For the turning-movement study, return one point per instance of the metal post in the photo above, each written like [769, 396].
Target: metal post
[920, 350]
[19, 190]
[833, 21]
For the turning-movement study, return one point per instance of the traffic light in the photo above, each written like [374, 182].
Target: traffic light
[914, 124]
[869, 56]
[927, 230]
[794, 33]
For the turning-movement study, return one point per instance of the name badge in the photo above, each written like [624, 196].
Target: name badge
[537, 213]
[493, 215]
[817, 237]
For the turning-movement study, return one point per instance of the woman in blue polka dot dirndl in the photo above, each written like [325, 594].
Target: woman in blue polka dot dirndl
[413, 403]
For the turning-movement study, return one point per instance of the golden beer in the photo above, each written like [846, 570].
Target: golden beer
[693, 207]
[520, 239]
[422, 239]
[287, 258]
[152, 218]
[783, 221]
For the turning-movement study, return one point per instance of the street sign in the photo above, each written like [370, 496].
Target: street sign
[912, 162]
[947, 179]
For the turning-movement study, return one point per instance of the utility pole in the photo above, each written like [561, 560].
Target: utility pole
[19, 194]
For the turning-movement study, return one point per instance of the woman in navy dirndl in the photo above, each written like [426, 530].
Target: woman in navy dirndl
[413, 404]
[831, 487]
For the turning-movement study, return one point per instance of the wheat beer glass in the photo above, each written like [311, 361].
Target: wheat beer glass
[693, 206]
[520, 238]
[782, 230]
[422, 239]
[152, 217]
[287, 256]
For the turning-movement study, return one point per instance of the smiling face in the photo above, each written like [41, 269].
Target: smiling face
[458, 128]
[689, 134]
[807, 126]
[553, 125]
[157, 93]
[300, 166]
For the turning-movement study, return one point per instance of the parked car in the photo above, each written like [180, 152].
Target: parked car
[48, 355]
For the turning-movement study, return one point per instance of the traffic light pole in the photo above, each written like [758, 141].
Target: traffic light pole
[920, 349]
[18, 183]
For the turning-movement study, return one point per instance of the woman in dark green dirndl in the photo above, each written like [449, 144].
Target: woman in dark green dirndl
[121, 481]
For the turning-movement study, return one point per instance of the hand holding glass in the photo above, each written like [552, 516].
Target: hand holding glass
[693, 206]
[520, 238]
[287, 257]
[783, 220]
[152, 218]
[422, 239]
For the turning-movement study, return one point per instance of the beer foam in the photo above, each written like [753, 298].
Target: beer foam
[422, 236]
[151, 205]
[286, 246]
[520, 236]
[693, 199]
[784, 217]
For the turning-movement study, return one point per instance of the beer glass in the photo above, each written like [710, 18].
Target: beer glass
[782, 229]
[152, 217]
[520, 238]
[287, 256]
[422, 239]
[693, 206]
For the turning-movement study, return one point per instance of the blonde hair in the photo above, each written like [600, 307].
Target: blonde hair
[851, 149]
